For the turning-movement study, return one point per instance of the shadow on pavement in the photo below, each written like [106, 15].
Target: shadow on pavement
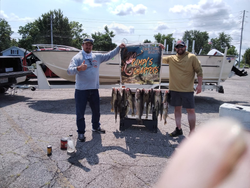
[89, 150]
[67, 106]
[139, 141]
[210, 105]
[7, 99]
[64, 106]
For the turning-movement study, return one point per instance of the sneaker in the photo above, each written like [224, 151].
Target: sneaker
[177, 132]
[99, 130]
[81, 137]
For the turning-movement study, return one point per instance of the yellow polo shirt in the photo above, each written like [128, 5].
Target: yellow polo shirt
[182, 69]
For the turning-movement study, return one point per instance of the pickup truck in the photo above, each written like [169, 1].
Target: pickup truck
[11, 72]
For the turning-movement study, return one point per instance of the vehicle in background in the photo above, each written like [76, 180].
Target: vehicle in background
[11, 72]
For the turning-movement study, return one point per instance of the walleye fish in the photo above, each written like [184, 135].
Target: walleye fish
[117, 103]
[146, 101]
[138, 103]
[113, 99]
[161, 110]
[152, 99]
[124, 104]
[157, 102]
[165, 107]
[131, 102]
[148, 106]
[142, 96]
[165, 97]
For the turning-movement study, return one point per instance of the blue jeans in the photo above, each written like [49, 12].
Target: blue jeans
[81, 99]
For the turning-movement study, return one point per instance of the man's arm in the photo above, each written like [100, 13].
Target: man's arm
[198, 88]
[111, 54]
[199, 72]
[73, 67]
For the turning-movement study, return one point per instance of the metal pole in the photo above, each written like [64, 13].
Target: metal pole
[173, 46]
[241, 36]
[165, 44]
[120, 66]
[160, 70]
[51, 29]
[193, 46]
[222, 65]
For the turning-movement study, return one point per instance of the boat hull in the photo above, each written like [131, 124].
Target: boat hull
[58, 62]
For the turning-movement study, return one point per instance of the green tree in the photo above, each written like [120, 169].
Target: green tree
[147, 41]
[5, 33]
[39, 31]
[206, 48]
[221, 42]
[169, 39]
[30, 34]
[14, 42]
[103, 41]
[246, 58]
[201, 40]
[77, 32]
[232, 51]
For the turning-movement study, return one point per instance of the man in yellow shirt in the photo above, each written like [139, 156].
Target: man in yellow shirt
[182, 69]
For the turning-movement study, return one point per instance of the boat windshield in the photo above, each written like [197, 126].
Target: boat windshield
[39, 47]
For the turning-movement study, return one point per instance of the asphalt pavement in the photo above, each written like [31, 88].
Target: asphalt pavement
[32, 120]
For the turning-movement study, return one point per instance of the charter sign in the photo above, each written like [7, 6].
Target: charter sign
[141, 64]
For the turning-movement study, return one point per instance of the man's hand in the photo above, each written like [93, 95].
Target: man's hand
[122, 45]
[82, 67]
[198, 89]
[161, 46]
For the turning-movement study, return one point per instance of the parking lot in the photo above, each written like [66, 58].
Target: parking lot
[31, 120]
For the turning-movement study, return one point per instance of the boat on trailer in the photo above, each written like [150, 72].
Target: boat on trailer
[217, 67]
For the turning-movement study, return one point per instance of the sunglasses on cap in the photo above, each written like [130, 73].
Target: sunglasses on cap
[88, 40]
[180, 46]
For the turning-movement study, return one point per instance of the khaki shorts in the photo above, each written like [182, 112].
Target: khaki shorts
[184, 99]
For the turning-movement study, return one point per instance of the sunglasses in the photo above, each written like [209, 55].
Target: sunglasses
[179, 46]
[88, 40]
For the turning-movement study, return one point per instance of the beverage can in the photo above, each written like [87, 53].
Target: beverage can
[64, 143]
[49, 150]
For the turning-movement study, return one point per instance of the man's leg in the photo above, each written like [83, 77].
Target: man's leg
[191, 118]
[177, 114]
[94, 103]
[81, 102]
[189, 105]
[176, 100]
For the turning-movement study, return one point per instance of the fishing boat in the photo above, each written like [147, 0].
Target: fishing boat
[216, 66]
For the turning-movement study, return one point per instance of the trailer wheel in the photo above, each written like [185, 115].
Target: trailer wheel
[221, 89]
[33, 89]
[3, 90]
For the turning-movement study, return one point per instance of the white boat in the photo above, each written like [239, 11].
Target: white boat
[216, 66]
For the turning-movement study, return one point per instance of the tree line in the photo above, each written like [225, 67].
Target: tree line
[70, 33]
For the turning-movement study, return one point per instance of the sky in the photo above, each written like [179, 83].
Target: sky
[133, 21]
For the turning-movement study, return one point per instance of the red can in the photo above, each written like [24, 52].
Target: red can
[64, 143]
